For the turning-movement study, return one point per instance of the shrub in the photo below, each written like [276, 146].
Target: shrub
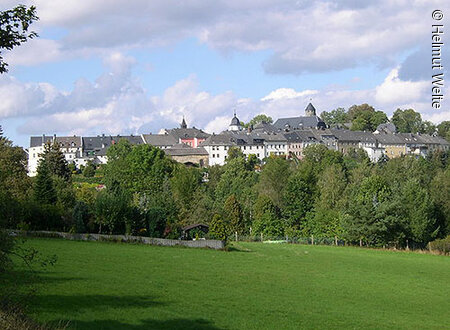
[440, 245]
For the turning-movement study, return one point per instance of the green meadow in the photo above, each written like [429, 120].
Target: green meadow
[98, 285]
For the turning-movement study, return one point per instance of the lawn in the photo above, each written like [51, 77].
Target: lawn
[100, 285]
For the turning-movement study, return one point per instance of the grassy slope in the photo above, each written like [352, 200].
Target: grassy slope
[106, 285]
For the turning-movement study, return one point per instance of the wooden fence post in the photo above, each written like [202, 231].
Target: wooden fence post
[335, 240]
[312, 239]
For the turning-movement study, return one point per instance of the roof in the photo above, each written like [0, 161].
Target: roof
[310, 108]
[235, 121]
[264, 127]
[69, 141]
[158, 140]
[189, 227]
[302, 122]
[187, 133]
[353, 136]
[182, 149]
[37, 141]
[387, 128]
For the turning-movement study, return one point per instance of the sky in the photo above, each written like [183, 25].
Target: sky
[131, 67]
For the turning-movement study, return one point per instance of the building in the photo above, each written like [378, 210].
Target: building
[309, 121]
[193, 137]
[70, 146]
[187, 155]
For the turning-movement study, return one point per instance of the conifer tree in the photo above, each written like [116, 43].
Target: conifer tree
[44, 191]
[55, 161]
[233, 214]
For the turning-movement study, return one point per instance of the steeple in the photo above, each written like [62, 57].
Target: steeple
[183, 124]
[235, 124]
[310, 110]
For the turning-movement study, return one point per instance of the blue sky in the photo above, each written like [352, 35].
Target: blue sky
[120, 67]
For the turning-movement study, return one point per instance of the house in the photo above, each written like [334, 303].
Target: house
[70, 146]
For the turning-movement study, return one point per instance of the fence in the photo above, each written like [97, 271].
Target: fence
[212, 244]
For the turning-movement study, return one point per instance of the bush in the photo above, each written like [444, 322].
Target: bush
[440, 245]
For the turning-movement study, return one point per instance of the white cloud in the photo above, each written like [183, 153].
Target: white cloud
[394, 90]
[304, 36]
[287, 93]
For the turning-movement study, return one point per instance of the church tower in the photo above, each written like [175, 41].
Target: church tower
[235, 124]
[310, 110]
[183, 124]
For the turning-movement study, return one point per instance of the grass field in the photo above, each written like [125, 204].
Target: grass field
[255, 286]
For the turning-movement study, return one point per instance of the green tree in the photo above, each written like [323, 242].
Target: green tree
[267, 219]
[417, 208]
[44, 190]
[365, 118]
[234, 152]
[299, 196]
[259, 119]
[335, 117]
[328, 213]
[112, 211]
[218, 228]
[89, 170]
[185, 182]
[407, 121]
[273, 179]
[364, 221]
[443, 130]
[233, 215]
[55, 161]
[14, 25]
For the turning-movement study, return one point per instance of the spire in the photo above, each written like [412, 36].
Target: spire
[310, 110]
[183, 124]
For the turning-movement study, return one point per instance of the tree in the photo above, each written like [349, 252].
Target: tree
[184, 183]
[234, 152]
[407, 121]
[233, 215]
[335, 117]
[218, 228]
[267, 219]
[443, 130]
[14, 25]
[44, 190]
[89, 170]
[365, 118]
[55, 161]
[273, 179]
[259, 119]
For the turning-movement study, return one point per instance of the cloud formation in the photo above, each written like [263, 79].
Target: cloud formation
[303, 36]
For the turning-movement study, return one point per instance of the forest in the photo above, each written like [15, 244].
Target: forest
[401, 202]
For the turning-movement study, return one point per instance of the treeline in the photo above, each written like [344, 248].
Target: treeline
[402, 202]
[364, 117]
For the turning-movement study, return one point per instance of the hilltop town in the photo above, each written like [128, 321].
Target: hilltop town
[285, 137]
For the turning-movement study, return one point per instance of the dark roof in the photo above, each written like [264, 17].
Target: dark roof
[182, 149]
[158, 140]
[235, 121]
[264, 127]
[296, 123]
[36, 141]
[69, 141]
[310, 108]
[353, 136]
[387, 128]
[187, 133]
